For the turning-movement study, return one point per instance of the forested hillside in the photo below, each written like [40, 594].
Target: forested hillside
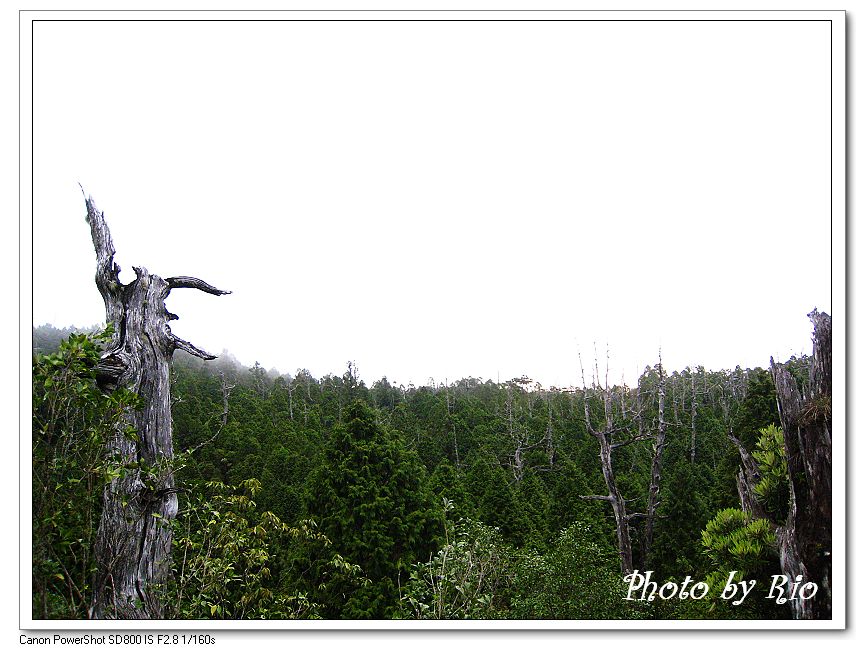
[305, 497]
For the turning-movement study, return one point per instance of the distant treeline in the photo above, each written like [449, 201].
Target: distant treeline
[47, 338]
[331, 498]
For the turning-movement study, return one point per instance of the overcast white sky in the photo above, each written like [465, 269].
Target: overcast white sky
[445, 199]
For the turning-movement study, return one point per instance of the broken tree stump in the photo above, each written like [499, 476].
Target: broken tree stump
[133, 543]
[805, 540]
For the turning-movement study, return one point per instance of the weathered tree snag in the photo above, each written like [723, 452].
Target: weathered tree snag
[805, 541]
[548, 435]
[614, 497]
[747, 479]
[519, 434]
[133, 542]
[654, 497]
[693, 416]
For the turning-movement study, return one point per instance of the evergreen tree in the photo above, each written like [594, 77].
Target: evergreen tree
[677, 549]
[448, 483]
[372, 504]
[495, 500]
[535, 503]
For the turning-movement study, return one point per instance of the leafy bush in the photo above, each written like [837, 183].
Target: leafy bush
[772, 489]
[737, 543]
[223, 558]
[577, 579]
[71, 419]
[468, 578]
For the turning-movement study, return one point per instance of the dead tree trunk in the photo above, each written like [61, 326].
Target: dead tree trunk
[133, 544]
[805, 540]
[747, 479]
[657, 456]
[693, 417]
[614, 497]
[548, 437]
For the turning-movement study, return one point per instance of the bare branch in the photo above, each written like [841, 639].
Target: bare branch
[597, 375]
[654, 497]
[744, 453]
[107, 271]
[637, 438]
[186, 346]
[582, 371]
[226, 393]
[187, 282]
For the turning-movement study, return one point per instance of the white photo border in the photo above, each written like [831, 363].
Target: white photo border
[836, 21]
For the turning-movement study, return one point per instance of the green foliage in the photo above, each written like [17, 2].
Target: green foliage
[372, 504]
[577, 579]
[71, 419]
[447, 482]
[736, 541]
[533, 501]
[495, 500]
[47, 338]
[223, 558]
[345, 521]
[773, 488]
[683, 510]
[758, 409]
[468, 578]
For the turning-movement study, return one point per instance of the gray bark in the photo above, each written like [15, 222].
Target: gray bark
[805, 540]
[693, 417]
[518, 433]
[613, 496]
[657, 457]
[133, 545]
[746, 479]
[548, 438]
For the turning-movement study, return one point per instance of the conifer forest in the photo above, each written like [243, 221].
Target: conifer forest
[259, 495]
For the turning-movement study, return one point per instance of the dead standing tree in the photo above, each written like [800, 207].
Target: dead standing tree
[605, 435]
[654, 498]
[608, 437]
[133, 543]
[805, 539]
